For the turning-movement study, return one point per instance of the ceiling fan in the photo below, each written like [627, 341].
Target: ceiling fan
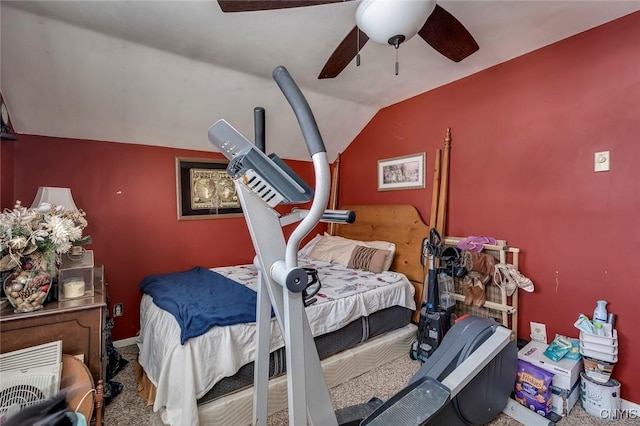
[383, 21]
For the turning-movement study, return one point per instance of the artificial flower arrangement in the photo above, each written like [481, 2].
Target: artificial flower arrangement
[31, 242]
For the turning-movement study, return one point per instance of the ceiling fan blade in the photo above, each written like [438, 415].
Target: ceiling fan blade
[447, 35]
[343, 54]
[256, 5]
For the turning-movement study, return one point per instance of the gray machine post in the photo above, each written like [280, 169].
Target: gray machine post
[264, 182]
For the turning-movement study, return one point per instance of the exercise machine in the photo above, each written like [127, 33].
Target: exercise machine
[467, 380]
[264, 182]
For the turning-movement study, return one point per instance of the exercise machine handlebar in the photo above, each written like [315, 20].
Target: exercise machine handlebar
[269, 178]
[301, 109]
[316, 148]
[329, 216]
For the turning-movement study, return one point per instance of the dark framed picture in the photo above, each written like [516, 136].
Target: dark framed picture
[205, 190]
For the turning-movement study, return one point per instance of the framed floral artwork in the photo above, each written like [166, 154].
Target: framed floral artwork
[204, 190]
[405, 172]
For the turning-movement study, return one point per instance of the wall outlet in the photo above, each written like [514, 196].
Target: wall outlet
[538, 332]
[117, 310]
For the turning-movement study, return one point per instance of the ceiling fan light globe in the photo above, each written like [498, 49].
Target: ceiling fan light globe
[381, 20]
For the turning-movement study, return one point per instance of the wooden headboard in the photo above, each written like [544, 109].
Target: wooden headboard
[399, 224]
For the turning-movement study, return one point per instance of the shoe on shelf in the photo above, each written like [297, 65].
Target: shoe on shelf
[475, 243]
[467, 289]
[483, 264]
[507, 275]
[479, 295]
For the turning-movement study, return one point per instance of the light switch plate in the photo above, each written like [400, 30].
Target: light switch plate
[601, 162]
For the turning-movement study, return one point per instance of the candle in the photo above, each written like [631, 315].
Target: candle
[73, 288]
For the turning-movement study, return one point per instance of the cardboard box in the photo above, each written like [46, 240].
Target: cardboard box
[562, 401]
[566, 379]
[567, 371]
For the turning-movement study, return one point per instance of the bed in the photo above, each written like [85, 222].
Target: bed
[357, 326]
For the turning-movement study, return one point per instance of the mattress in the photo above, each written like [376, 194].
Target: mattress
[185, 373]
[351, 335]
[236, 408]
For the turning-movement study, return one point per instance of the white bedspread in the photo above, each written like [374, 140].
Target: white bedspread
[184, 373]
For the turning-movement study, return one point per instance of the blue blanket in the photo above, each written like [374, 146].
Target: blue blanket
[200, 299]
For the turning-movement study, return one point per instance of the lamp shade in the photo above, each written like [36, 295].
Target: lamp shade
[381, 20]
[54, 196]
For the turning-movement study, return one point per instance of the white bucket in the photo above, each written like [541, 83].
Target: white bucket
[601, 400]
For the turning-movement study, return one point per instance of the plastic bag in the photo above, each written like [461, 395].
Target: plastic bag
[574, 352]
[560, 346]
[533, 387]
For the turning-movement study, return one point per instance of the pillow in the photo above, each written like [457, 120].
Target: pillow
[333, 249]
[368, 259]
[304, 251]
[383, 245]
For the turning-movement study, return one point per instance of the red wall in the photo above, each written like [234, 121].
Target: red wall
[129, 195]
[6, 172]
[524, 137]
[6, 169]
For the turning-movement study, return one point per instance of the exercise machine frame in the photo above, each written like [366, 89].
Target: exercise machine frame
[264, 182]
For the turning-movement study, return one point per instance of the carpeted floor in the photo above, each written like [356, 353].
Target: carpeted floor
[129, 409]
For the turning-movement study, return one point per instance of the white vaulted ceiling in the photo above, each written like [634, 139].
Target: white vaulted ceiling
[161, 72]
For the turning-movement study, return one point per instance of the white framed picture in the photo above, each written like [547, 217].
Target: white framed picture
[405, 172]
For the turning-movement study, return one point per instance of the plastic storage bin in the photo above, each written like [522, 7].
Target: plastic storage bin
[601, 340]
[602, 356]
[607, 349]
[600, 347]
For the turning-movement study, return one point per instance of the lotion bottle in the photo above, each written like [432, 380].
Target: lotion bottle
[600, 313]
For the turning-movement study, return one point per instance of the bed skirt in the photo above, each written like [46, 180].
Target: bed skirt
[329, 344]
[146, 388]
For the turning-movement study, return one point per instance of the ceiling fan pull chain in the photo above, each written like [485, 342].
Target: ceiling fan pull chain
[395, 42]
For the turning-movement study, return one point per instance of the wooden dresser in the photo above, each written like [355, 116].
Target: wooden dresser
[79, 323]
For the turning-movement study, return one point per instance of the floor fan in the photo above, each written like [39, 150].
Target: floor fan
[29, 376]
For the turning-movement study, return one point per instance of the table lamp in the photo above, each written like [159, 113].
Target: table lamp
[54, 196]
